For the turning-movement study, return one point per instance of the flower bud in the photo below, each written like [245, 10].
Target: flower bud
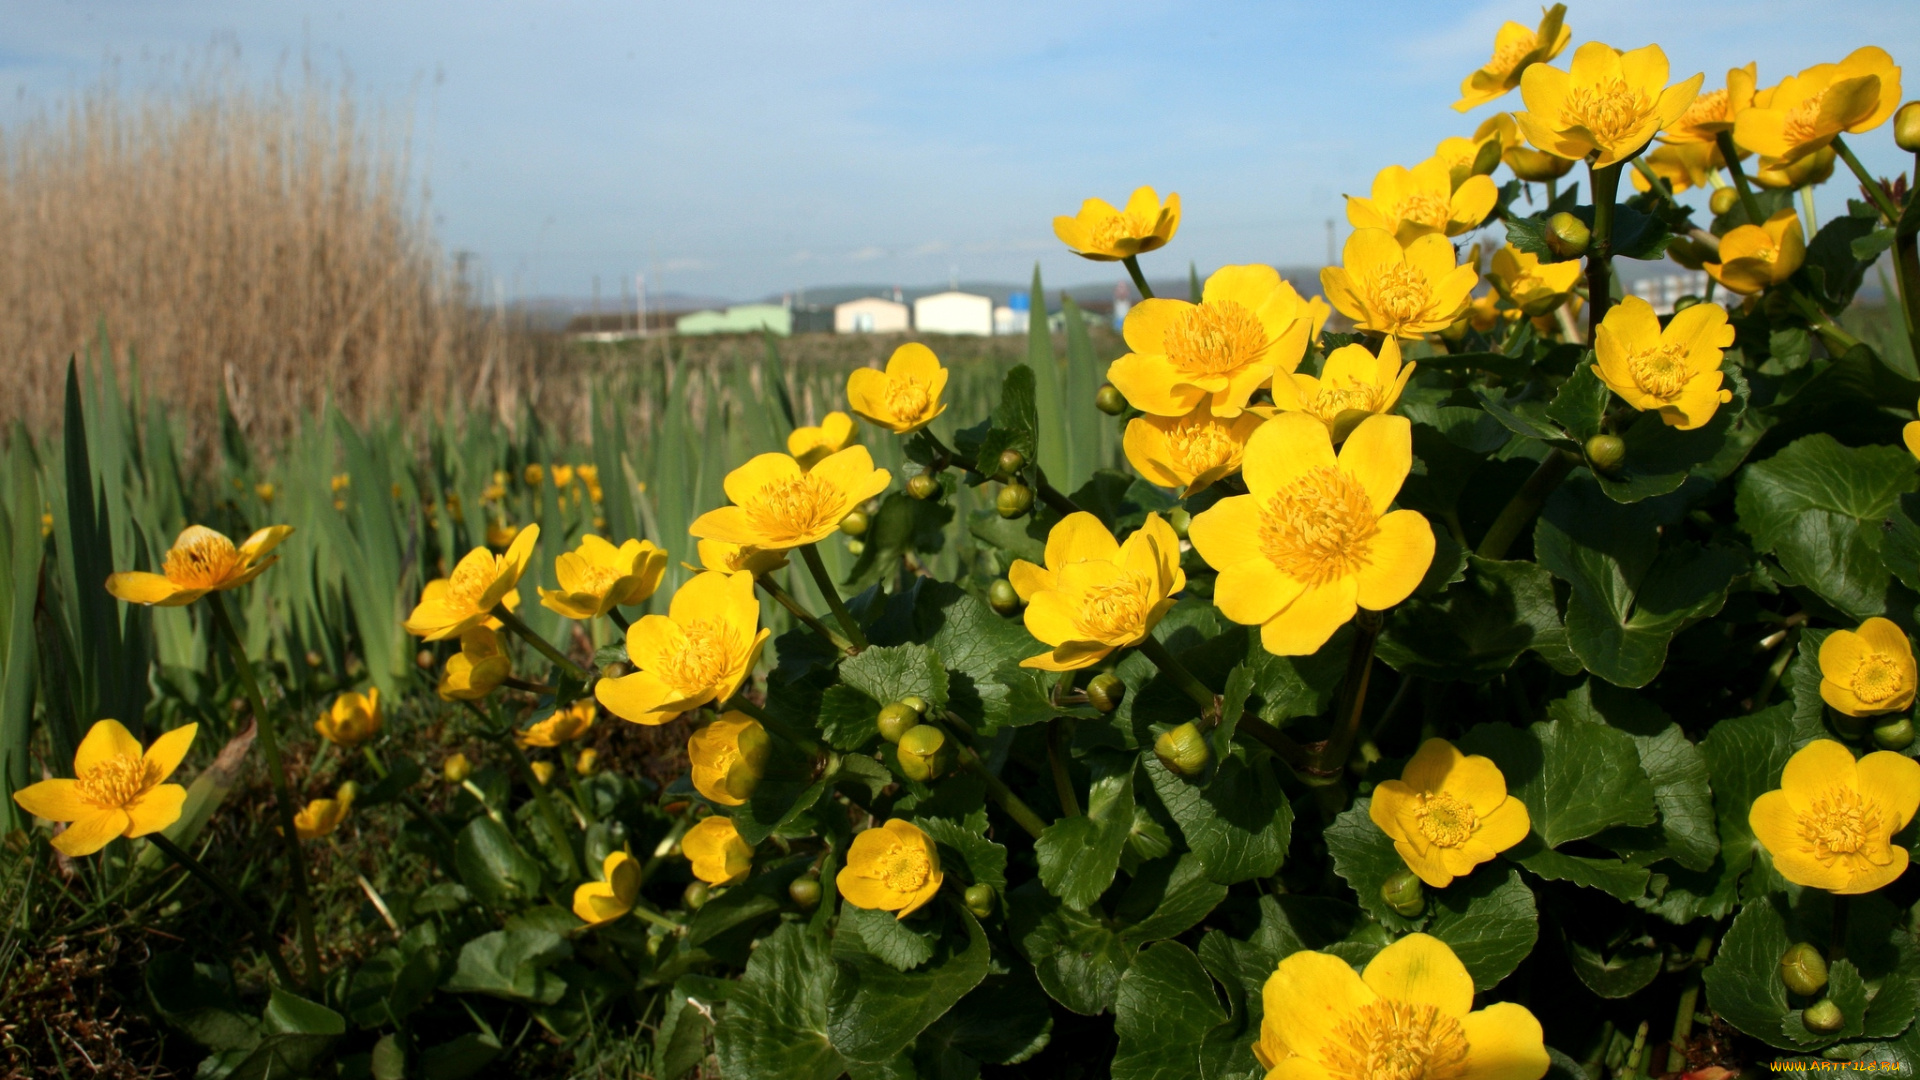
[1534, 166]
[1002, 597]
[1682, 303]
[1108, 399]
[1183, 750]
[314, 659]
[1014, 500]
[1606, 452]
[1853, 727]
[856, 547]
[1823, 1017]
[456, 768]
[923, 752]
[696, 895]
[979, 900]
[1723, 200]
[1567, 235]
[896, 720]
[1404, 893]
[1804, 970]
[423, 659]
[805, 891]
[854, 524]
[1906, 127]
[542, 771]
[1897, 735]
[1180, 520]
[923, 486]
[588, 762]
[1011, 461]
[1105, 691]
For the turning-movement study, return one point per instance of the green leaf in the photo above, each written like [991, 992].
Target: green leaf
[1003, 1021]
[295, 1034]
[1659, 456]
[982, 652]
[1576, 778]
[1621, 973]
[1745, 756]
[874, 1010]
[1079, 855]
[1678, 771]
[1620, 880]
[1818, 507]
[1077, 958]
[1489, 921]
[848, 718]
[512, 964]
[1582, 402]
[775, 1024]
[787, 789]
[1476, 628]
[903, 525]
[1900, 546]
[460, 1057]
[493, 866]
[1365, 857]
[985, 862]
[1165, 1007]
[1166, 898]
[889, 673]
[880, 935]
[1239, 825]
[391, 984]
[198, 999]
[1526, 418]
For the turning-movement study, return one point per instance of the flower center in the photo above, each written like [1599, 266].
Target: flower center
[1507, 57]
[704, 655]
[200, 559]
[468, 583]
[1116, 609]
[114, 783]
[1445, 820]
[1840, 822]
[1319, 528]
[1198, 445]
[1427, 208]
[1708, 108]
[1803, 120]
[1401, 294]
[907, 396]
[597, 580]
[1217, 337]
[1334, 400]
[1662, 370]
[1115, 230]
[1398, 1040]
[1611, 111]
[796, 507]
[905, 870]
[1877, 679]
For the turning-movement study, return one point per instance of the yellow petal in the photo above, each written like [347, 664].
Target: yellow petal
[1876, 878]
[1308, 622]
[1284, 449]
[138, 587]
[1397, 559]
[1814, 769]
[1421, 969]
[167, 751]
[1227, 534]
[1427, 771]
[92, 832]
[1253, 592]
[643, 698]
[1506, 1044]
[263, 541]
[1028, 579]
[156, 809]
[1079, 537]
[1505, 826]
[105, 740]
[1378, 455]
[55, 800]
[1308, 998]
[1893, 782]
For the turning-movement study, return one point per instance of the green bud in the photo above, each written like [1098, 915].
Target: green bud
[456, 768]
[696, 896]
[916, 703]
[896, 720]
[923, 486]
[1567, 235]
[1011, 461]
[1906, 127]
[1823, 1017]
[1897, 735]
[1682, 303]
[1606, 452]
[856, 547]
[805, 891]
[1105, 691]
[1404, 893]
[854, 524]
[1014, 500]
[1002, 597]
[979, 899]
[1853, 727]
[924, 752]
[314, 659]
[1723, 201]
[1180, 520]
[1804, 970]
[1108, 399]
[1183, 750]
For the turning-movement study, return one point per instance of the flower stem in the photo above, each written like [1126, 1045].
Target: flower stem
[540, 798]
[619, 620]
[811, 556]
[1172, 668]
[240, 909]
[1057, 763]
[1731, 154]
[807, 618]
[1906, 252]
[1019, 811]
[1872, 187]
[1052, 497]
[1139, 279]
[773, 724]
[537, 688]
[1837, 946]
[282, 792]
[1606, 184]
[1525, 504]
[1332, 755]
[1658, 182]
[1683, 1014]
[513, 622]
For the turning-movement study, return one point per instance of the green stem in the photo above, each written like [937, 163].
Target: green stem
[545, 647]
[811, 556]
[1525, 504]
[1606, 184]
[1019, 811]
[807, 618]
[1838, 341]
[1689, 1001]
[1297, 757]
[1052, 496]
[1906, 252]
[771, 723]
[1873, 189]
[1057, 764]
[1353, 694]
[283, 793]
[544, 801]
[1655, 180]
[1837, 946]
[1731, 154]
[529, 687]
[1139, 279]
[1172, 668]
[619, 620]
[246, 915]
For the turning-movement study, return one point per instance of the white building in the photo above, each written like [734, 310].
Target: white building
[871, 315]
[953, 313]
[1662, 291]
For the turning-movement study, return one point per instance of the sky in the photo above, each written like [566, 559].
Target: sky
[743, 150]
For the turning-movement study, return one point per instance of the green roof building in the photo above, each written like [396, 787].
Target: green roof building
[739, 319]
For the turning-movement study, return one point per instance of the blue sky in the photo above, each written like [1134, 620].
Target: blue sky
[741, 149]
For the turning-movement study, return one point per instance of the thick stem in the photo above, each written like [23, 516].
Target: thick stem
[619, 620]
[1172, 668]
[1297, 757]
[848, 624]
[773, 724]
[1052, 497]
[1731, 155]
[1689, 1000]
[1838, 341]
[1353, 693]
[545, 647]
[1874, 191]
[786, 600]
[1837, 945]
[530, 687]
[1057, 763]
[1606, 184]
[1654, 180]
[282, 792]
[240, 909]
[1906, 252]
[1525, 504]
[1139, 279]
[1019, 811]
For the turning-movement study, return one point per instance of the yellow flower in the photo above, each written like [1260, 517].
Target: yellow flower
[588, 762]
[1096, 594]
[600, 902]
[906, 396]
[1676, 370]
[1515, 49]
[810, 445]
[1807, 110]
[341, 482]
[589, 474]
[533, 475]
[564, 726]
[1479, 155]
[1536, 288]
[477, 669]
[456, 768]
[118, 790]
[1353, 385]
[1869, 671]
[264, 490]
[1805, 171]
[1911, 436]
[450, 606]
[542, 771]
[199, 562]
[599, 577]
[1409, 1015]
[1831, 822]
[1607, 107]
[1714, 111]
[1536, 166]
[1314, 538]
[321, 817]
[1248, 324]
[353, 719]
[699, 652]
[1103, 233]
[733, 558]
[727, 757]
[778, 505]
[1484, 313]
[1683, 166]
[1191, 451]
[1403, 291]
[892, 868]
[718, 854]
[1448, 813]
[1753, 257]
[1422, 200]
[562, 476]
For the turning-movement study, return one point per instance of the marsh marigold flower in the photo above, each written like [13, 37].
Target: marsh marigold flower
[733, 558]
[1515, 49]
[810, 445]
[1607, 107]
[1424, 199]
[1675, 371]
[1481, 154]
[891, 868]
[1353, 385]
[598, 577]
[700, 651]
[353, 719]
[1911, 436]
[199, 562]
[1404, 291]
[477, 669]
[321, 817]
[1811, 169]
[1097, 594]
[600, 902]
[1806, 111]
[727, 757]
[1753, 257]
[1869, 671]
[1714, 111]
[903, 398]
[1314, 538]
[1831, 822]
[779, 505]
[1105, 234]
[1188, 452]
[1448, 813]
[1248, 325]
[1409, 1015]
[117, 789]
[452, 605]
[570, 724]
[1536, 288]
[1683, 166]
[718, 854]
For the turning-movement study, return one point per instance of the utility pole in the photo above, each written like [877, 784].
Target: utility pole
[640, 290]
